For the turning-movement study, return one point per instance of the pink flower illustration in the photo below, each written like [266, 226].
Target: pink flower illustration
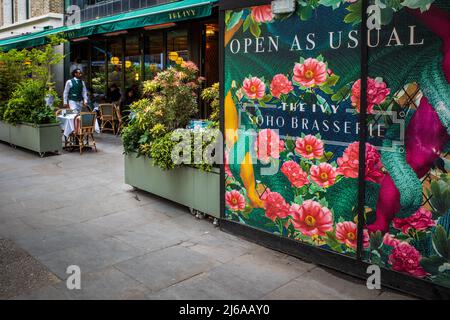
[276, 206]
[310, 73]
[347, 233]
[254, 88]
[294, 173]
[323, 175]
[389, 240]
[268, 145]
[377, 91]
[280, 85]
[227, 164]
[234, 200]
[309, 147]
[262, 14]
[349, 162]
[405, 258]
[422, 219]
[311, 218]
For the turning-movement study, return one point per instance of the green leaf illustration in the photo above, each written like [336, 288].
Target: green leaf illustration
[234, 19]
[305, 13]
[423, 5]
[255, 29]
[247, 22]
[441, 243]
[354, 17]
[432, 264]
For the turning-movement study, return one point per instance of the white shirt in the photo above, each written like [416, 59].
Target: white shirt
[67, 88]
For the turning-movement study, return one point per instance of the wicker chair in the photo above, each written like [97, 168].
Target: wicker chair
[107, 117]
[118, 118]
[85, 128]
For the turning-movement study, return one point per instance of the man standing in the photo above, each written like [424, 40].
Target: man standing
[75, 92]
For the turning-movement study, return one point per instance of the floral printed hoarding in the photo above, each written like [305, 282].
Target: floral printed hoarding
[292, 103]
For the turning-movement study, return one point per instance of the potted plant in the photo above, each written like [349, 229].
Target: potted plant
[28, 101]
[150, 142]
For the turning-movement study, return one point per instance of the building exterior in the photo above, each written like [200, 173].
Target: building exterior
[125, 58]
[121, 43]
[22, 17]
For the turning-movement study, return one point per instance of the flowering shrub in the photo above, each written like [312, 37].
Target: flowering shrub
[169, 102]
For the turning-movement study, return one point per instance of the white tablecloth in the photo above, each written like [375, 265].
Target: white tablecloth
[67, 124]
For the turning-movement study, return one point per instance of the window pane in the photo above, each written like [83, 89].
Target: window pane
[177, 47]
[132, 65]
[154, 55]
[115, 56]
[98, 71]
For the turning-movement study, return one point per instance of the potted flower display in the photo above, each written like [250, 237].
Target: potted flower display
[154, 133]
[28, 101]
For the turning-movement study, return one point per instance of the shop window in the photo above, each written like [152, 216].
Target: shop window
[132, 64]
[98, 71]
[177, 47]
[211, 59]
[115, 56]
[154, 55]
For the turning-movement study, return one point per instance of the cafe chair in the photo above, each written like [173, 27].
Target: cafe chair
[85, 128]
[118, 118]
[107, 117]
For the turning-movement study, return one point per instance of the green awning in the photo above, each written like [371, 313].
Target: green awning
[170, 12]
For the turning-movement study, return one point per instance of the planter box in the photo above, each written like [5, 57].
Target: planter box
[188, 186]
[40, 138]
[5, 131]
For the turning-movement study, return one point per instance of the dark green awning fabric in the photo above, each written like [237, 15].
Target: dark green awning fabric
[170, 12]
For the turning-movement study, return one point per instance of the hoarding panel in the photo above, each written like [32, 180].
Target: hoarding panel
[291, 166]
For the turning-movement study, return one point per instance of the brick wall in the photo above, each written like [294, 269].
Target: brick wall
[37, 8]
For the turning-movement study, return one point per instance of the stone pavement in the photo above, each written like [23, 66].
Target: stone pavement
[76, 210]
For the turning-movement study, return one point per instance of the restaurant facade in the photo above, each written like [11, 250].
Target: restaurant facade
[127, 57]
[123, 43]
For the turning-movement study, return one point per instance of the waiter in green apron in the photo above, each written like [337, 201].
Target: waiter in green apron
[75, 92]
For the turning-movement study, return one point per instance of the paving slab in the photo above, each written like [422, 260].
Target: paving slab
[160, 269]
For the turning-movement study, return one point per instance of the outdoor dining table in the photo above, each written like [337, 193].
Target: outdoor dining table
[67, 123]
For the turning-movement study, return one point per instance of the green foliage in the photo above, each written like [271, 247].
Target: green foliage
[440, 201]
[27, 104]
[131, 135]
[161, 152]
[25, 82]
[212, 96]
[441, 243]
[354, 15]
[376, 240]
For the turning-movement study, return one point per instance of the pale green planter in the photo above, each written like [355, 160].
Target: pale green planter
[5, 132]
[39, 138]
[196, 189]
